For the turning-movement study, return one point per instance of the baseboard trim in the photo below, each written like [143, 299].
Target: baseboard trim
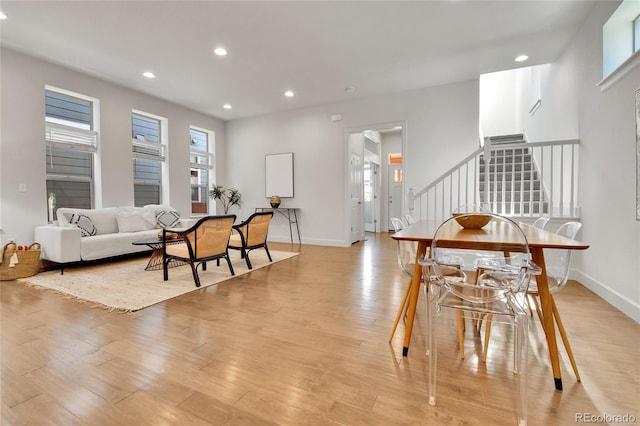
[310, 241]
[617, 300]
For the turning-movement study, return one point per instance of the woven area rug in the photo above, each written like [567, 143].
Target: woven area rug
[125, 286]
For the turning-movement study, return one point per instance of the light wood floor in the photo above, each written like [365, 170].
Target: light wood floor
[301, 342]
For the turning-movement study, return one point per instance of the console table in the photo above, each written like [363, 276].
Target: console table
[290, 213]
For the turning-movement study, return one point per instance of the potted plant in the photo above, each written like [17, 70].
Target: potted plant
[228, 197]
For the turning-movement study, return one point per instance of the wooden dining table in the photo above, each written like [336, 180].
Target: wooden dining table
[489, 237]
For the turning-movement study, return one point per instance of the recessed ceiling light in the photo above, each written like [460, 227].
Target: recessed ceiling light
[220, 51]
[288, 94]
[226, 106]
[149, 74]
[522, 58]
[3, 16]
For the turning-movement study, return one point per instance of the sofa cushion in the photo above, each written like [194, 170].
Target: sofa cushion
[117, 244]
[131, 221]
[149, 216]
[104, 219]
[83, 222]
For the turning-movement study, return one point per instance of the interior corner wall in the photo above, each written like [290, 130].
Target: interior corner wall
[499, 109]
[22, 146]
[605, 120]
[557, 117]
[441, 127]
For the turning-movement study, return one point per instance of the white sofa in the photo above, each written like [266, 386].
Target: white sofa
[91, 234]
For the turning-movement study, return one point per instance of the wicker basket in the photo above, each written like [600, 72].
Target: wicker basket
[28, 262]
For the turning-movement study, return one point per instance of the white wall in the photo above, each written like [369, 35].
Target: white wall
[506, 97]
[500, 111]
[557, 116]
[441, 127]
[22, 158]
[605, 123]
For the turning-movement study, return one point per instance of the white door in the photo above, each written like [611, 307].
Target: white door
[370, 196]
[356, 189]
[395, 193]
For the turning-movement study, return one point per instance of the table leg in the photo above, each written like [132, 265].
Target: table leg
[155, 261]
[546, 303]
[413, 297]
[290, 230]
[402, 309]
[295, 215]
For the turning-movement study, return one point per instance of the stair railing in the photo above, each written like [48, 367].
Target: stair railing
[554, 162]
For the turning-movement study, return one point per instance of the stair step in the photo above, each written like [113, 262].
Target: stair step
[511, 158]
[513, 196]
[518, 167]
[518, 185]
[504, 139]
[527, 208]
[510, 176]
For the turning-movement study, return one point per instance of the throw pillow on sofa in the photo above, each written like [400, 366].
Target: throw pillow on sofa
[104, 219]
[83, 222]
[131, 222]
[167, 218]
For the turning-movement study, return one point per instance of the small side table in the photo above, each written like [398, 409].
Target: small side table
[290, 213]
[155, 261]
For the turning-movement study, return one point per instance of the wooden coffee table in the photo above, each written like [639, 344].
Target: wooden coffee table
[155, 261]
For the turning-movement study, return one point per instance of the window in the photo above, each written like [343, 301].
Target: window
[148, 156]
[71, 143]
[620, 38]
[201, 163]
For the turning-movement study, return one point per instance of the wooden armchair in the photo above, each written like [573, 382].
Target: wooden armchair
[204, 241]
[252, 234]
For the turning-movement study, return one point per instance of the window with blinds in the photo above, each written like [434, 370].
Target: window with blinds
[71, 144]
[201, 163]
[148, 155]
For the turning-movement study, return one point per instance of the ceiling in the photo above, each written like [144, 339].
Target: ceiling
[315, 48]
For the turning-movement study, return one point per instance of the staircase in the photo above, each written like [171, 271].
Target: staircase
[510, 180]
[514, 177]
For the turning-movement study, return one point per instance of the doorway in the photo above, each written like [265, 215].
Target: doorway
[368, 152]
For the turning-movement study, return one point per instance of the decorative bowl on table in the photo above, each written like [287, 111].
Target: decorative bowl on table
[472, 220]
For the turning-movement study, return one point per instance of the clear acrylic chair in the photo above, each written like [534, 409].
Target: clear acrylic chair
[406, 250]
[406, 254]
[557, 263]
[410, 220]
[540, 222]
[500, 292]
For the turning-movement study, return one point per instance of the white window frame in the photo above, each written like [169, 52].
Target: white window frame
[148, 150]
[206, 166]
[60, 135]
[619, 55]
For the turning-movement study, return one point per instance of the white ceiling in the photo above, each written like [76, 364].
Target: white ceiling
[315, 48]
